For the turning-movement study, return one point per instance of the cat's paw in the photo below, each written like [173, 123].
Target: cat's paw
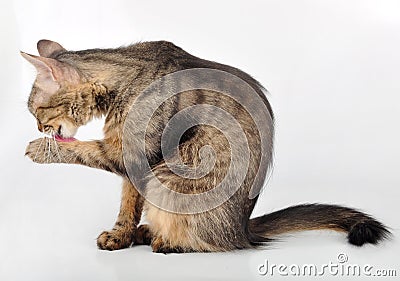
[114, 240]
[37, 150]
[142, 235]
[44, 150]
[159, 246]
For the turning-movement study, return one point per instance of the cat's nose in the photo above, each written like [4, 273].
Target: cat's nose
[40, 127]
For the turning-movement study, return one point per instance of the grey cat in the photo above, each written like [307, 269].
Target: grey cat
[72, 87]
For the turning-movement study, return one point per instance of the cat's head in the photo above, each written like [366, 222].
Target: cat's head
[54, 101]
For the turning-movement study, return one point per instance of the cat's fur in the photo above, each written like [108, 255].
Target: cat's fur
[72, 87]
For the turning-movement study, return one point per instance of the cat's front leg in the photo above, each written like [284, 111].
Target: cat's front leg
[99, 154]
[45, 150]
[125, 230]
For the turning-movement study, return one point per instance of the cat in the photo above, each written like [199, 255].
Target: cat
[72, 87]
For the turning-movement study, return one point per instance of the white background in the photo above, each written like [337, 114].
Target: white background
[332, 68]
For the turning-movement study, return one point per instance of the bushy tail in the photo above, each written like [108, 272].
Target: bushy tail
[360, 228]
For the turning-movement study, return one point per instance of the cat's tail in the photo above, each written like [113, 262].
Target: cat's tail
[360, 227]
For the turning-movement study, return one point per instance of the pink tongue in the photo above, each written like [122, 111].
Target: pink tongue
[61, 139]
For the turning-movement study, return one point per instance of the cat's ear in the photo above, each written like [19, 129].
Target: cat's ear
[48, 48]
[51, 75]
[46, 78]
[53, 71]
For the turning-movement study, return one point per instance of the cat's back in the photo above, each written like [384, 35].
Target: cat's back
[150, 52]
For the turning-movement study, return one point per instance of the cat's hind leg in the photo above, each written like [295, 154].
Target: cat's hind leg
[173, 232]
[169, 215]
[123, 232]
[143, 235]
[159, 246]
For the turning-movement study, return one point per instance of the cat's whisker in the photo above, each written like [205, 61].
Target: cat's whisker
[53, 137]
[46, 150]
[68, 159]
[57, 149]
[49, 157]
[53, 151]
[59, 155]
[37, 150]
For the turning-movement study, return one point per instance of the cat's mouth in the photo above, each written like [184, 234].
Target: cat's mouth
[60, 138]
[64, 136]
